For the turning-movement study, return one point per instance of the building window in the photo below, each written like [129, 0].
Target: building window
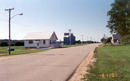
[53, 42]
[37, 40]
[50, 41]
[30, 41]
[44, 41]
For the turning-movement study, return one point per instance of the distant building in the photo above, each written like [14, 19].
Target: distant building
[69, 39]
[41, 40]
[116, 38]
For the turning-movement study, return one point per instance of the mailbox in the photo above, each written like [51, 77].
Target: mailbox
[11, 49]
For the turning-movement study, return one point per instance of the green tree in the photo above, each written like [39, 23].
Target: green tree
[119, 21]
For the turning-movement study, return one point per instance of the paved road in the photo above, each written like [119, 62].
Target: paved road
[52, 65]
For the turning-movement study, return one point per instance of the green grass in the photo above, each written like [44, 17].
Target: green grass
[18, 50]
[66, 46]
[113, 64]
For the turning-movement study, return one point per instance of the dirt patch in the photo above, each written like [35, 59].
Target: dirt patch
[84, 66]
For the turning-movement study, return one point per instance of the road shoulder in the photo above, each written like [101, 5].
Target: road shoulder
[84, 66]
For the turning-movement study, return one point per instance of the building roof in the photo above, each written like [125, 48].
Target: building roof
[116, 36]
[38, 35]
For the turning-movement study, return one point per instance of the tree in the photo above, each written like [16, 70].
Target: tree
[125, 39]
[19, 43]
[78, 42]
[106, 40]
[119, 21]
[103, 40]
[3, 43]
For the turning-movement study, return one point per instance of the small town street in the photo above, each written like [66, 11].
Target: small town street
[51, 65]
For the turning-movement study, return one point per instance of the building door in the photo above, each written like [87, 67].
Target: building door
[38, 45]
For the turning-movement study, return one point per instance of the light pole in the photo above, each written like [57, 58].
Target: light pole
[9, 42]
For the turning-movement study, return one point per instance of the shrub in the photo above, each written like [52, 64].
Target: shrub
[19, 44]
[3, 43]
[125, 39]
[106, 40]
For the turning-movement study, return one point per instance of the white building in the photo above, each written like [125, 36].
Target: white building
[41, 40]
[116, 38]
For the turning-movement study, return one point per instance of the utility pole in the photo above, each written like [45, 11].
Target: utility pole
[91, 38]
[82, 38]
[9, 41]
[10, 17]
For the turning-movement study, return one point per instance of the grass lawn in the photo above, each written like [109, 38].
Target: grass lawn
[66, 46]
[113, 64]
[18, 50]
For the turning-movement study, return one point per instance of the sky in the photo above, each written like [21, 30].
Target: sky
[86, 18]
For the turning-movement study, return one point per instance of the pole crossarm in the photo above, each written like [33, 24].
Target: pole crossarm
[9, 9]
